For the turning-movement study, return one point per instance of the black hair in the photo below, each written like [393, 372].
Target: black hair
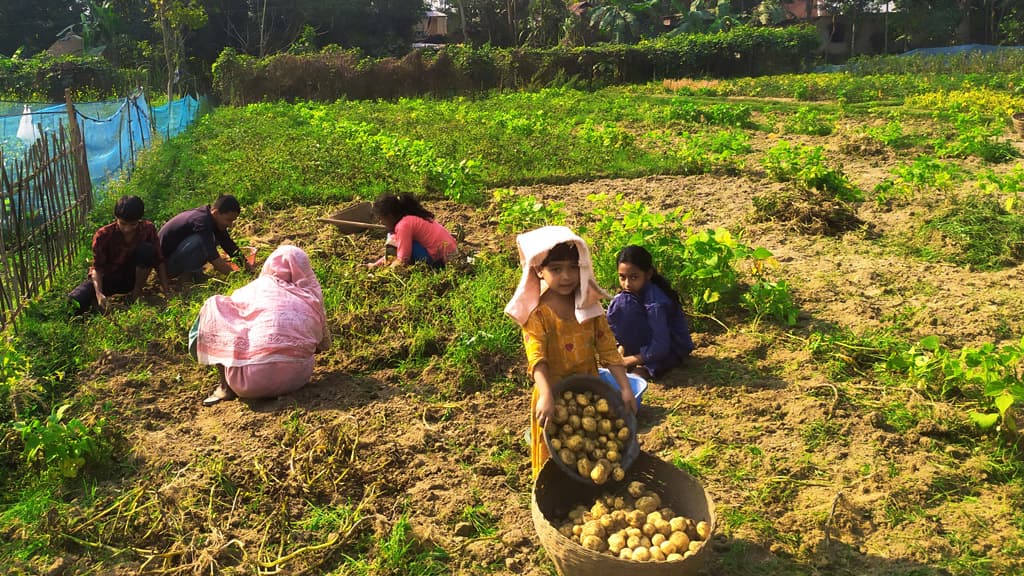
[227, 204]
[399, 206]
[129, 208]
[563, 251]
[638, 256]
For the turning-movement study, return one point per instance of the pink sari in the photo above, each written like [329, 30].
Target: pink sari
[266, 333]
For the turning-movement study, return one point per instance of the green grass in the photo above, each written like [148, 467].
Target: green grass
[977, 231]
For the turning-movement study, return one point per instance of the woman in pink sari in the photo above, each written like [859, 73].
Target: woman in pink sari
[263, 337]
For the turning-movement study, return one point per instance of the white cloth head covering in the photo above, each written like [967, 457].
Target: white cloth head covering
[533, 248]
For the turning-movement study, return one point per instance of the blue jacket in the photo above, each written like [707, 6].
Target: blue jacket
[652, 325]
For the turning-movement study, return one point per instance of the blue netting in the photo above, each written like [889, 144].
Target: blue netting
[114, 131]
[982, 48]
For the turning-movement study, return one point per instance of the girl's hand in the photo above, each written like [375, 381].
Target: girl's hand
[545, 408]
[627, 398]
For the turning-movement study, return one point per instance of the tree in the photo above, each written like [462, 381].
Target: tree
[174, 19]
[617, 21]
[33, 25]
[927, 22]
[544, 27]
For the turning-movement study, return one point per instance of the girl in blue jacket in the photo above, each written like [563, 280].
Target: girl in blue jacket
[646, 317]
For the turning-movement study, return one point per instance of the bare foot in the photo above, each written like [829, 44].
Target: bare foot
[220, 393]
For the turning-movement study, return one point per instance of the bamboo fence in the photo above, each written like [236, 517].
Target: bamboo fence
[46, 198]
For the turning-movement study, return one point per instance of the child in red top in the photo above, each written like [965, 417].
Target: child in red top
[416, 236]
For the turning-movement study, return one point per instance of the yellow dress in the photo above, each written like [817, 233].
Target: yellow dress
[568, 347]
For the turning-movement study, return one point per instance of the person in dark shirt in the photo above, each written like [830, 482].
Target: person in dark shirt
[191, 238]
[124, 253]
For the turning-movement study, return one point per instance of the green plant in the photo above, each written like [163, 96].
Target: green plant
[65, 446]
[772, 299]
[808, 121]
[806, 166]
[480, 518]
[518, 213]
[925, 173]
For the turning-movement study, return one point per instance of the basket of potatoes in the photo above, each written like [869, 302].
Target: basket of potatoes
[591, 436]
[655, 522]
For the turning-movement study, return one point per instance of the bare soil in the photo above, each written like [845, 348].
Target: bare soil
[868, 500]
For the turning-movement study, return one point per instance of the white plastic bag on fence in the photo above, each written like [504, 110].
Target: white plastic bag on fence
[27, 131]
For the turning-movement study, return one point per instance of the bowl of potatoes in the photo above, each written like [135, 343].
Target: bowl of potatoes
[591, 435]
[657, 521]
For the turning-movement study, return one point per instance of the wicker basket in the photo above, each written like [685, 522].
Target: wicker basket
[554, 495]
[580, 383]
[1018, 123]
[356, 218]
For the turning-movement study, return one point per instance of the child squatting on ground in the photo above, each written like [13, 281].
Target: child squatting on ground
[414, 233]
[647, 317]
[565, 332]
[123, 254]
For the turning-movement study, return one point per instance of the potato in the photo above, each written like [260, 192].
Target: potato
[646, 504]
[575, 422]
[598, 509]
[680, 540]
[589, 424]
[596, 543]
[589, 411]
[632, 541]
[619, 423]
[602, 406]
[667, 513]
[663, 528]
[618, 473]
[636, 489]
[667, 547]
[656, 554]
[574, 443]
[616, 542]
[582, 400]
[568, 395]
[577, 512]
[599, 474]
[634, 531]
[584, 466]
[687, 554]
[654, 517]
[613, 456]
[556, 444]
[623, 434]
[645, 542]
[678, 524]
[604, 426]
[657, 538]
[636, 518]
[566, 529]
[673, 557]
[561, 414]
[567, 456]
[703, 530]
[641, 554]
[695, 546]
[567, 429]
[593, 528]
[577, 530]
[648, 529]
[626, 554]
[598, 454]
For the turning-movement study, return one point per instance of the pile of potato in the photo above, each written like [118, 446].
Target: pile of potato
[587, 435]
[633, 525]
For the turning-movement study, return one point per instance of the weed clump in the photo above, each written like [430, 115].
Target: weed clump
[808, 211]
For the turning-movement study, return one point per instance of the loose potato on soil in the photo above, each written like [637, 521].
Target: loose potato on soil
[634, 525]
[586, 435]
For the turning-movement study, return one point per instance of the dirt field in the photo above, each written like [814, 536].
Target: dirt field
[867, 501]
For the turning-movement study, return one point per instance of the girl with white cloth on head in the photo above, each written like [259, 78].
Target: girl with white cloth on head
[263, 337]
[565, 332]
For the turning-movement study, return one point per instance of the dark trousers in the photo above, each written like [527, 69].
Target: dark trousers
[118, 281]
